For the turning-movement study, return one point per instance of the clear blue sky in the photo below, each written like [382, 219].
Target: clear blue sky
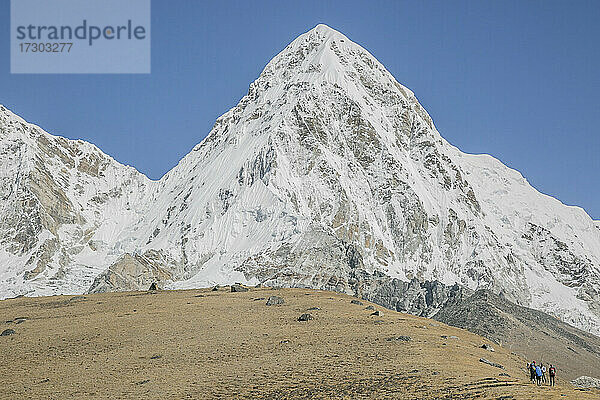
[519, 80]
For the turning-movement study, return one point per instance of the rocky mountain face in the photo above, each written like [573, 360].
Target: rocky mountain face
[63, 201]
[327, 174]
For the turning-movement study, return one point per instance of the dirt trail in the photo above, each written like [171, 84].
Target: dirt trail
[201, 344]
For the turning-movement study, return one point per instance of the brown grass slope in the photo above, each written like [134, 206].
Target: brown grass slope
[532, 333]
[202, 344]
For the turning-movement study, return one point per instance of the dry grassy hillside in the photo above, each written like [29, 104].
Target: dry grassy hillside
[203, 344]
[534, 334]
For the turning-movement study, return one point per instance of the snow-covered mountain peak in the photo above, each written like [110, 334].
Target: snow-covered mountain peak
[327, 174]
[324, 54]
[326, 30]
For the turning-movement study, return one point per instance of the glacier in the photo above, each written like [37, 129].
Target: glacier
[328, 171]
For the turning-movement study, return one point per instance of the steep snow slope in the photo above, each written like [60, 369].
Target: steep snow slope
[330, 174]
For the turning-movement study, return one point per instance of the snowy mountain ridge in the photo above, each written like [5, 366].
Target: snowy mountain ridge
[326, 172]
[62, 200]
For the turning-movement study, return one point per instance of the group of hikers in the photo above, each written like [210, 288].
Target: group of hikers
[539, 374]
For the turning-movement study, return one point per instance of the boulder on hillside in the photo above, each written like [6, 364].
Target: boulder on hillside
[305, 317]
[586, 382]
[399, 339]
[275, 301]
[493, 364]
[358, 303]
[238, 288]
[450, 337]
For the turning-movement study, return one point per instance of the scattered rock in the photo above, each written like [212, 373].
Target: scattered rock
[493, 364]
[377, 313]
[305, 317]
[7, 332]
[503, 374]
[275, 301]
[399, 338]
[586, 382]
[77, 298]
[487, 347]
[284, 341]
[450, 337]
[358, 303]
[153, 286]
[258, 298]
[199, 295]
[155, 357]
[313, 309]
[19, 320]
[370, 308]
[434, 324]
[238, 288]
[45, 380]
[435, 373]
[142, 382]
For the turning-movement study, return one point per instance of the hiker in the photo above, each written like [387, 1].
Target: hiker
[532, 371]
[552, 374]
[543, 373]
[538, 375]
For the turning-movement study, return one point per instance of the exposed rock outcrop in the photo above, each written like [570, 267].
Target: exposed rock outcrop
[132, 272]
